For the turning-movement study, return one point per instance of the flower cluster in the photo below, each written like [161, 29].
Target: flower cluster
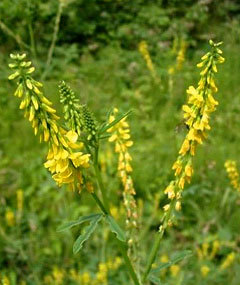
[58, 275]
[200, 105]
[120, 135]
[64, 164]
[143, 48]
[62, 161]
[208, 251]
[233, 174]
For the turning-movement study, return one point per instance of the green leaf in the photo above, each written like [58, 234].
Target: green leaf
[105, 136]
[181, 255]
[118, 119]
[86, 234]
[154, 279]
[114, 227]
[81, 220]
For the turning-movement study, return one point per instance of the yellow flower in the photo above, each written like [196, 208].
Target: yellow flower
[5, 281]
[181, 55]
[58, 275]
[228, 261]
[205, 270]
[10, 218]
[20, 200]
[205, 247]
[233, 174]
[178, 206]
[174, 269]
[215, 249]
[85, 278]
[164, 258]
[143, 48]
[170, 191]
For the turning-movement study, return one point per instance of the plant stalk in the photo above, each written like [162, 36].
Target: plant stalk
[100, 182]
[122, 245]
[153, 254]
[54, 39]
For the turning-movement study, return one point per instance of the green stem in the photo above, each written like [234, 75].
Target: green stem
[131, 271]
[54, 40]
[32, 40]
[122, 245]
[100, 204]
[153, 255]
[100, 182]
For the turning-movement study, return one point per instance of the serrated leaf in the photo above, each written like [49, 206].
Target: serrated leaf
[69, 225]
[87, 233]
[114, 227]
[118, 119]
[179, 257]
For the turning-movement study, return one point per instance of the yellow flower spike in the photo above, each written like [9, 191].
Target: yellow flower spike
[10, 218]
[215, 249]
[5, 280]
[228, 261]
[200, 104]
[120, 135]
[205, 247]
[20, 200]
[233, 174]
[205, 270]
[38, 109]
[143, 48]
[174, 269]
[181, 55]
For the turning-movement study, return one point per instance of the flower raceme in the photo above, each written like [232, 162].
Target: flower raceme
[120, 135]
[78, 117]
[63, 161]
[200, 105]
[231, 168]
[71, 108]
[143, 49]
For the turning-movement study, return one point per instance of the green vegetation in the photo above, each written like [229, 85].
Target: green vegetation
[130, 55]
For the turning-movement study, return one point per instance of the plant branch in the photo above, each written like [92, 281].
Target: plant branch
[100, 182]
[54, 39]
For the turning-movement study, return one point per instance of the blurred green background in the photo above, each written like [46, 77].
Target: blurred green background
[96, 51]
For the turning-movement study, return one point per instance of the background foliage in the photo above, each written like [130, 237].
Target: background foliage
[97, 54]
